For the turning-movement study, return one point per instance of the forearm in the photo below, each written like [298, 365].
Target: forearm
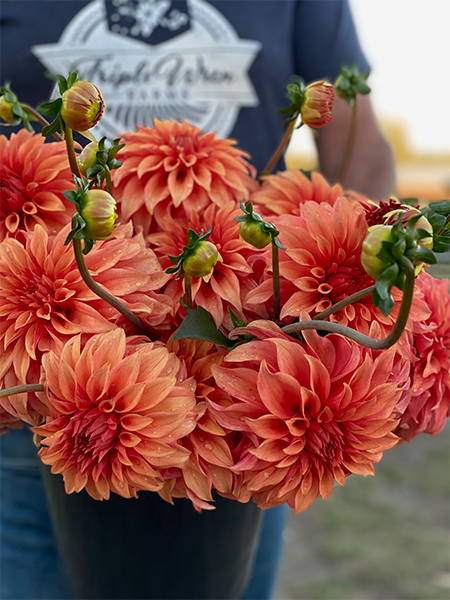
[370, 168]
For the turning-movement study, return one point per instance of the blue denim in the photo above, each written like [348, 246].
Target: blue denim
[30, 564]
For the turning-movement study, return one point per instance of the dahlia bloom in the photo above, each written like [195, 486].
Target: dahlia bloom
[210, 457]
[229, 279]
[315, 412]
[429, 407]
[283, 193]
[44, 300]
[176, 164]
[322, 266]
[117, 412]
[34, 176]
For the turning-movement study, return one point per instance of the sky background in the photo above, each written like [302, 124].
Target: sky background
[407, 43]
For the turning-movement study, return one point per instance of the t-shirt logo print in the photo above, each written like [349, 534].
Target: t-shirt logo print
[152, 21]
[178, 60]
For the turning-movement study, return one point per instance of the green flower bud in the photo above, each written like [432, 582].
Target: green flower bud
[82, 106]
[98, 209]
[200, 262]
[6, 112]
[253, 233]
[372, 246]
[87, 158]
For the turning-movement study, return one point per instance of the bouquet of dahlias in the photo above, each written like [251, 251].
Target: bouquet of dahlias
[171, 323]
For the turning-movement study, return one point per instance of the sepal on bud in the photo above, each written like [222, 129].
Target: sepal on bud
[96, 214]
[350, 82]
[254, 230]
[313, 102]
[11, 110]
[198, 258]
[96, 159]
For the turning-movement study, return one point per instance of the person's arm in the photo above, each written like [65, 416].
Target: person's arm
[371, 168]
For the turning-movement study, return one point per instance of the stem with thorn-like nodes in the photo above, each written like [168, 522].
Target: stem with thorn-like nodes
[358, 337]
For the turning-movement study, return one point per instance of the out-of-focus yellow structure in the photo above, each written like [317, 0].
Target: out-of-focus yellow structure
[422, 175]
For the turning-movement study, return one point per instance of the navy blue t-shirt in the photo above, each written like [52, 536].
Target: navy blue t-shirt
[222, 65]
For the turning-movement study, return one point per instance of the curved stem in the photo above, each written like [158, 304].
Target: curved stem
[103, 294]
[20, 389]
[358, 337]
[348, 147]
[278, 152]
[276, 282]
[37, 115]
[71, 153]
[343, 303]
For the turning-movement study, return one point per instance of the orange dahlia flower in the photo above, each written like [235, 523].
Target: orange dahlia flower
[315, 412]
[322, 265]
[34, 176]
[283, 193]
[176, 163]
[429, 407]
[229, 280]
[117, 412]
[210, 457]
[44, 300]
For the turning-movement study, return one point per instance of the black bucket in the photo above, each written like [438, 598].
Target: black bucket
[146, 548]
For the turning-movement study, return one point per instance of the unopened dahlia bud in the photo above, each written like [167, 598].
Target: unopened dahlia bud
[253, 233]
[6, 112]
[373, 265]
[82, 106]
[87, 158]
[318, 104]
[98, 209]
[202, 260]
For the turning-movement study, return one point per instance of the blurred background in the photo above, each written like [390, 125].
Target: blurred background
[408, 46]
[388, 537]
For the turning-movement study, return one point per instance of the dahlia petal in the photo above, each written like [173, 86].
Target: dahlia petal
[281, 393]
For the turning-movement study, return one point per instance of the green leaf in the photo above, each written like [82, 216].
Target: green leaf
[52, 128]
[386, 280]
[50, 109]
[442, 207]
[441, 243]
[436, 221]
[421, 254]
[71, 196]
[199, 325]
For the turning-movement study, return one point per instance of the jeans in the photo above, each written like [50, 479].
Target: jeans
[30, 564]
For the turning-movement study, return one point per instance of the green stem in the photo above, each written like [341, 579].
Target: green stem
[37, 115]
[276, 281]
[348, 147]
[278, 152]
[188, 290]
[103, 294]
[71, 153]
[358, 337]
[108, 181]
[20, 389]
[343, 303]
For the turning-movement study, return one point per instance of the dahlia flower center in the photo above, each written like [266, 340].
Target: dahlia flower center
[345, 281]
[185, 143]
[326, 441]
